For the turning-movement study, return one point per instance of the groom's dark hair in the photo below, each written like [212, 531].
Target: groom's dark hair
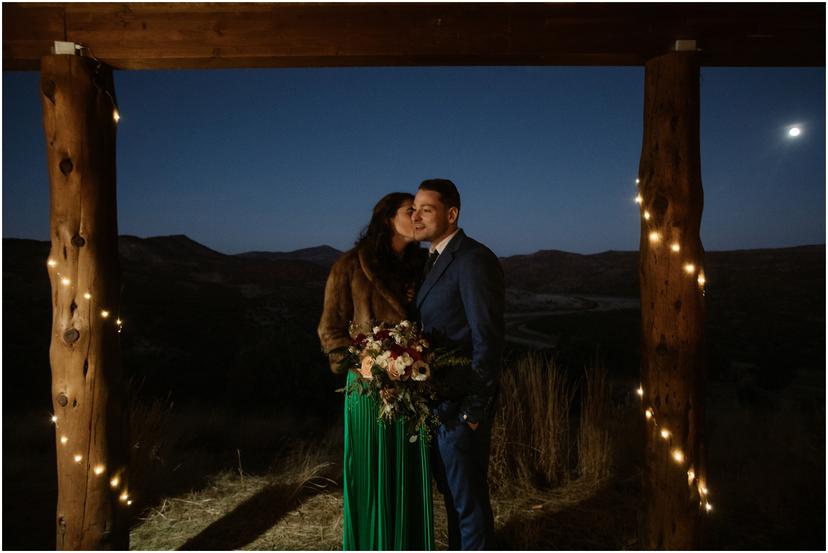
[448, 192]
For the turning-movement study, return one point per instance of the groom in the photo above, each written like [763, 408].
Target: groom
[461, 300]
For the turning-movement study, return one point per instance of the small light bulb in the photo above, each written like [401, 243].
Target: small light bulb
[701, 280]
[63, 440]
[691, 475]
[118, 321]
[104, 313]
[665, 433]
[639, 199]
[654, 236]
[115, 481]
[54, 418]
[129, 502]
[115, 115]
[703, 489]
[678, 455]
[675, 247]
[124, 496]
[99, 470]
[87, 296]
[640, 391]
[647, 215]
[78, 458]
[648, 413]
[637, 181]
[690, 268]
[65, 281]
[708, 507]
[51, 263]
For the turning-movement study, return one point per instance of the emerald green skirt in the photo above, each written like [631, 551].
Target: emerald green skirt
[386, 481]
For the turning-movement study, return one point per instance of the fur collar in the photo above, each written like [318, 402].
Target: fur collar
[390, 297]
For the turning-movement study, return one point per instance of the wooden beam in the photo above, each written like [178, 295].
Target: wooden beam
[672, 271]
[87, 387]
[203, 35]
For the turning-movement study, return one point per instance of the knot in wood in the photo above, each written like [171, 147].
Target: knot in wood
[71, 336]
[62, 400]
[48, 87]
[66, 166]
[78, 241]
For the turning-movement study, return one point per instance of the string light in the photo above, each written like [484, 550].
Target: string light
[691, 475]
[707, 506]
[54, 418]
[65, 281]
[116, 115]
[87, 296]
[129, 502]
[689, 268]
[63, 440]
[104, 313]
[638, 199]
[78, 458]
[678, 455]
[675, 247]
[99, 470]
[665, 433]
[637, 181]
[640, 391]
[51, 263]
[124, 496]
[647, 215]
[701, 280]
[655, 237]
[118, 322]
[648, 413]
[115, 481]
[702, 489]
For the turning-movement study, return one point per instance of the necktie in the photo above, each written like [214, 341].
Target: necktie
[432, 259]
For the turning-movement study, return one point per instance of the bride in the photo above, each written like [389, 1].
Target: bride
[387, 479]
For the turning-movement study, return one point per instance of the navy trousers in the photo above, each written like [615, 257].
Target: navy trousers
[460, 462]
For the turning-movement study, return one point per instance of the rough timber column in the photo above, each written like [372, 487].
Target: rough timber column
[87, 389]
[671, 268]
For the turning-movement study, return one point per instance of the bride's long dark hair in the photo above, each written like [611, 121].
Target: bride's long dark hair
[375, 243]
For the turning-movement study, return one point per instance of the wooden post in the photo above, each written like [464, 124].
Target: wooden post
[77, 95]
[671, 268]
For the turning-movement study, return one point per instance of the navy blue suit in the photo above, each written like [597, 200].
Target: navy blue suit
[461, 304]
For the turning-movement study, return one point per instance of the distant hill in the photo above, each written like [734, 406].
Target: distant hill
[210, 327]
[615, 273]
[320, 255]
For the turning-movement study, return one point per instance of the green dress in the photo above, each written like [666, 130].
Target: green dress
[387, 482]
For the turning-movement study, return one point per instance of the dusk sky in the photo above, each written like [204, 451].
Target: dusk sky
[544, 158]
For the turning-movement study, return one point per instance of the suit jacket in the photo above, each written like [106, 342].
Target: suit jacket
[461, 304]
[354, 293]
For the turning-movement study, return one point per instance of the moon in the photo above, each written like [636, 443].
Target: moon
[793, 132]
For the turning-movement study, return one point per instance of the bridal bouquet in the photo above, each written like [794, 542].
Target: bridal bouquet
[394, 364]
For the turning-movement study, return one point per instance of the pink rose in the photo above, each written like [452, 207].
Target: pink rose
[365, 370]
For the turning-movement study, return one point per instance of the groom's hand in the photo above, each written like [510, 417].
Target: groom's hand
[472, 425]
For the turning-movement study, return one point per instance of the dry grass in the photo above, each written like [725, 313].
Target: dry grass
[298, 506]
[594, 446]
[542, 494]
[531, 432]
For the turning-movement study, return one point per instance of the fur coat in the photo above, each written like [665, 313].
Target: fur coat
[354, 293]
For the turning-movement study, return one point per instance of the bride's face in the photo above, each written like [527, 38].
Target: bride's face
[402, 223]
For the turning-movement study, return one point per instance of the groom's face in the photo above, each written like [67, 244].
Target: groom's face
[433, 220]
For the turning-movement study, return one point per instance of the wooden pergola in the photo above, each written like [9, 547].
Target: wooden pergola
[672, 42]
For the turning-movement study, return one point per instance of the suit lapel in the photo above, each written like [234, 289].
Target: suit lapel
[440, 266]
